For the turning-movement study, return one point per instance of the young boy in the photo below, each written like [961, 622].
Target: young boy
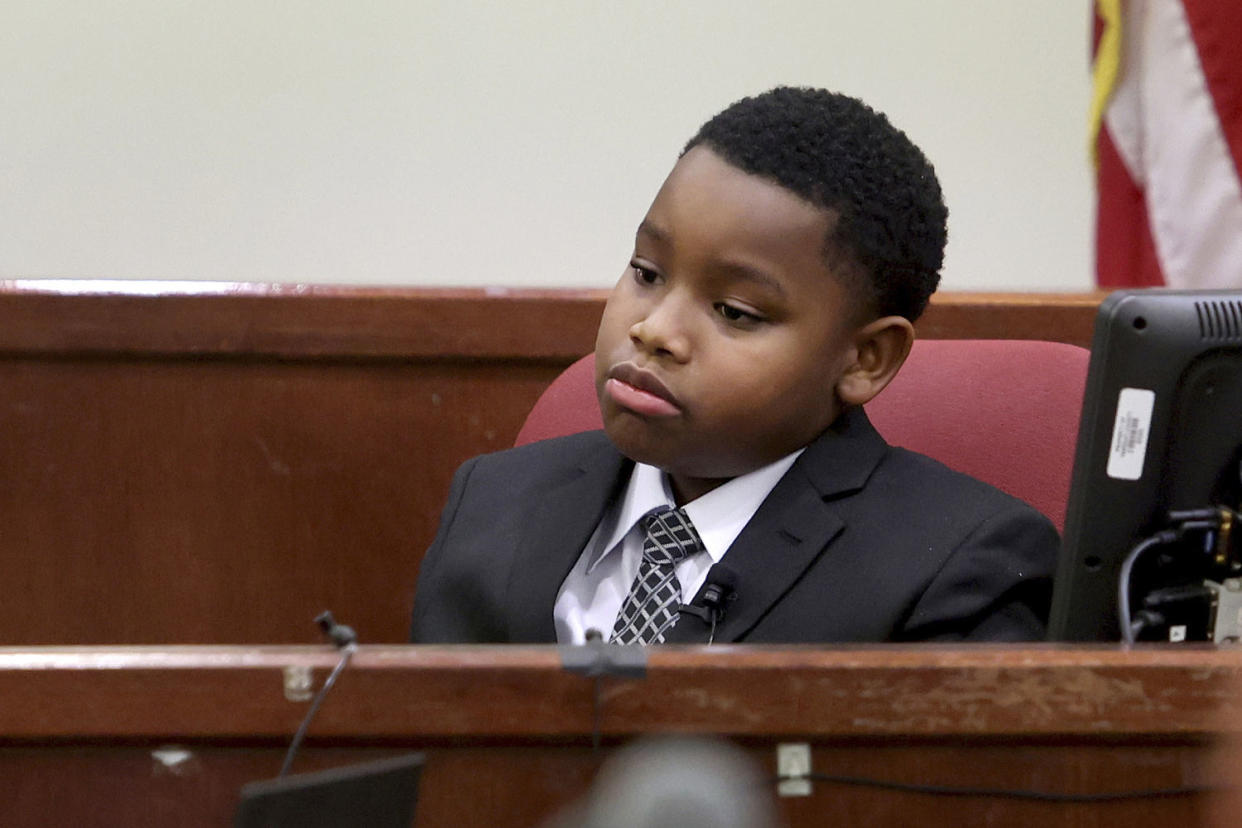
[771, 294]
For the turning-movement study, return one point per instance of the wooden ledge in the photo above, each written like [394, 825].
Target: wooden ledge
[523, 693]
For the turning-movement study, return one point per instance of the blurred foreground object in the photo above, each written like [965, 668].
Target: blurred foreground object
[675, 783]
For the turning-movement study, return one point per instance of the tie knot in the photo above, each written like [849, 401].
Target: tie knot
[671, 536]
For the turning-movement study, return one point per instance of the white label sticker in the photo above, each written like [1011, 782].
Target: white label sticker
[1130, 431]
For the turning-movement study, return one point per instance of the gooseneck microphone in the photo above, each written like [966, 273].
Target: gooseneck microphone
[346, 641]
[340, 635]
[718, 590]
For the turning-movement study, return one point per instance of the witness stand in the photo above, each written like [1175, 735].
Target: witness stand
[188, 463]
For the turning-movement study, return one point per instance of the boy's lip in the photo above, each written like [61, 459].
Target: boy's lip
[648, 383]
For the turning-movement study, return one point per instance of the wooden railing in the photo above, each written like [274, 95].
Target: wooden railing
[165, 736]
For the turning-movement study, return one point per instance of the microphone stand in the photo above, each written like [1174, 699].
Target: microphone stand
[595, 659]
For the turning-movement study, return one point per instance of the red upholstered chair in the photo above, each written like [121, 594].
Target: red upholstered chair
[1004, 411]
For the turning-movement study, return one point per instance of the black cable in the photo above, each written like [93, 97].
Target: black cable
[1006, 793]
[1207, 520]
[1123, 581]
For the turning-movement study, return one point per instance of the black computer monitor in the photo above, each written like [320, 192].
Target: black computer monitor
[378, 794]
[1160, 436]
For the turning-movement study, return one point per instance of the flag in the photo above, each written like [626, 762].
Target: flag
[1167, 137]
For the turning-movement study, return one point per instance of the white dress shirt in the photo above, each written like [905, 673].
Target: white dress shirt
[592, 593]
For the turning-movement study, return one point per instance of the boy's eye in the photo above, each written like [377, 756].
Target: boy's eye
[644, 274]
[732, 313]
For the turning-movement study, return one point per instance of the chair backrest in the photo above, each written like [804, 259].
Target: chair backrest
[1004, 411]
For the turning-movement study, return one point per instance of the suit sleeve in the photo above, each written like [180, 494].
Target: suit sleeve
[435, 619]
[995, 586]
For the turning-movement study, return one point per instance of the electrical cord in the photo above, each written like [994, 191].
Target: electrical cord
[1006, 793]
[1214, 521]
[1128, 629]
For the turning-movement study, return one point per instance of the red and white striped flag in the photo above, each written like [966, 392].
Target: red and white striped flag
[1167, 130]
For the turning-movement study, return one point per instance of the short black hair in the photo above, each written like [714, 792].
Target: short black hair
[836, 152]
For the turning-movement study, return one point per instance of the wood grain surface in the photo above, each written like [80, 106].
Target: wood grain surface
[87, 735]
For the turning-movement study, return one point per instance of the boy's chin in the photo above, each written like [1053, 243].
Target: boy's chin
[637, 447]
[673, 457]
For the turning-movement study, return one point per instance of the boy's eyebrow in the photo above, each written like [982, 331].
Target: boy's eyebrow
[736, 271]
[750, 274]
[646, 228]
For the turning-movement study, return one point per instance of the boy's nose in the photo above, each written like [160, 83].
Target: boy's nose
[662, 331]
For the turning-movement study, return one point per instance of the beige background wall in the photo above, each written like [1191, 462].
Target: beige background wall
[458, 142]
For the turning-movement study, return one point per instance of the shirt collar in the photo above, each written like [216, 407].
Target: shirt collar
[719, 516]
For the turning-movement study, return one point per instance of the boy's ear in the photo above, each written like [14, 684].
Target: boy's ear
[880, 348]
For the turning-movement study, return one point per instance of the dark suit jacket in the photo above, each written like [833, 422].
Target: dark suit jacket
[859, 541]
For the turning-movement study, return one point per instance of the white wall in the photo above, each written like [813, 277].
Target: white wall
[458, 142]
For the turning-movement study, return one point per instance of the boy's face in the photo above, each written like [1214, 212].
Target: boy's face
[722, 343]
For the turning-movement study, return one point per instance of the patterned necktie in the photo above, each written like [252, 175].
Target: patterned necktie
[650, 609]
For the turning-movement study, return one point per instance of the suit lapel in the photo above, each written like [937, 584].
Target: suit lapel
[794, 525]
[557, 531]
